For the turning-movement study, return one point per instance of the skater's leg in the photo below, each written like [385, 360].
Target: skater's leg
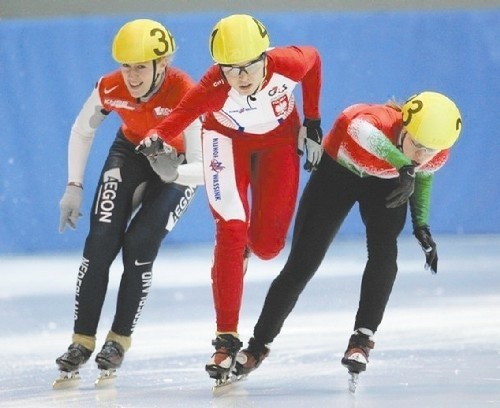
[323, 207]
[383, 226]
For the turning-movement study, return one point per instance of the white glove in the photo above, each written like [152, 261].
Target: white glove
[70, 205]
[165, 163]
[310, 136]
[150, 146]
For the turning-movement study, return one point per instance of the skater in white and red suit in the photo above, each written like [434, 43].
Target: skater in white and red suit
[251, 139]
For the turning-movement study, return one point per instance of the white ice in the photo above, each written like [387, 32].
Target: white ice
[439, 343]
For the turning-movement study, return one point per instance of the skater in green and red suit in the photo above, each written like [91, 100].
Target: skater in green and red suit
[381, 157]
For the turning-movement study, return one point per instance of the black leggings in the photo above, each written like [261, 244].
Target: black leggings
[329, 195]
[112, 229]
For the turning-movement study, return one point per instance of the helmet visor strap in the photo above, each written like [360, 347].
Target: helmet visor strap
[420, 146]
[235, 71]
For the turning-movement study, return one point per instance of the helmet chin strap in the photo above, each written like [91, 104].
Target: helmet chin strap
[401, 139]
[252, 97]
[153, 86]
[399, 145]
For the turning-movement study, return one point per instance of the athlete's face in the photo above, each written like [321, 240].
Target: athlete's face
[415, 151]
[139, 77]
[247, 76]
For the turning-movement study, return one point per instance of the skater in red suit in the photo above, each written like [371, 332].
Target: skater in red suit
[251, 136]
[379, 156]
[142, 92]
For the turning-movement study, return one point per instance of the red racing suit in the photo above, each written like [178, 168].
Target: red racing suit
[249, 142]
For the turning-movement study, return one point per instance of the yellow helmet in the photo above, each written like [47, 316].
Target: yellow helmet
[432, 119]
[238, 38]
[142, 40]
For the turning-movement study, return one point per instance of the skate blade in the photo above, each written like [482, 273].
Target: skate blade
[223, 386]
[105, 379]
[66, 380]
[353, 382]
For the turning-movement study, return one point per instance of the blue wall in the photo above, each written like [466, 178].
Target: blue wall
[48, 68]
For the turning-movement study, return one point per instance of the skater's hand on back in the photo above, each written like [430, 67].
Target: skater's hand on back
[150, 146]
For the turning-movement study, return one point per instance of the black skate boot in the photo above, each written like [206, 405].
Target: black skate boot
[69, 364]
[356, 356]
[111, 356]
[250, 358]
[74, 358]
[222, 362]
[108, 360]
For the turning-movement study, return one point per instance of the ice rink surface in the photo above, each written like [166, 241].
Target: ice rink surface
[439, 343]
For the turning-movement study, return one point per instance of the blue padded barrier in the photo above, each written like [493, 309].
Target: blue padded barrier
[48, 68]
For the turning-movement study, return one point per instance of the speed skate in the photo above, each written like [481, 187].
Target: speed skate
[106, 378]
[224, 384]
[67, 379]
[72, 379]
[352, 382]
[355, 365]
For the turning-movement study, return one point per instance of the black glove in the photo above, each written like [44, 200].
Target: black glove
[424, 237]
[310, 137]
[150, 146]
[403, 192]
